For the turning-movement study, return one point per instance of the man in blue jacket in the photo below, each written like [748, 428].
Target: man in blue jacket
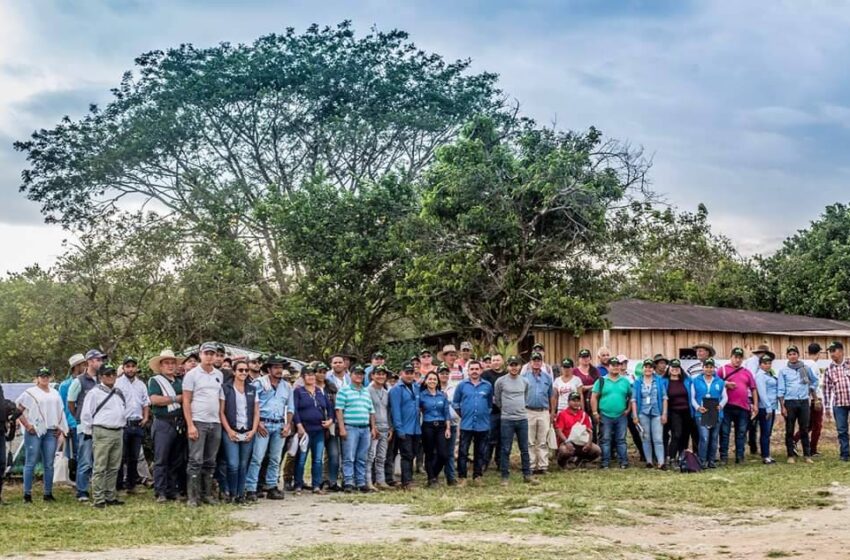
[404, 407]
[473, 401]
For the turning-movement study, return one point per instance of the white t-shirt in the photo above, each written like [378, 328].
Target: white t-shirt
[206, 394]
[241, 410]
[43, 409]
[564, 388]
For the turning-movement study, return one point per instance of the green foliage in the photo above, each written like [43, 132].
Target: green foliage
[810, 274]
[509, 223]
[675, 257]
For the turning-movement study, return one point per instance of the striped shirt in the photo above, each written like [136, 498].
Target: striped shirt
[836, 384]
[355, 404]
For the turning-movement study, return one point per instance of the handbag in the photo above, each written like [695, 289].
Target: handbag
[61, 472]
[552, 439]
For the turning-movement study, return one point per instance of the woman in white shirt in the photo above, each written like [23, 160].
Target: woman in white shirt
[44, 423]
[563, 385]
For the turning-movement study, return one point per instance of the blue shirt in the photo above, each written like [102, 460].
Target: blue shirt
[435, 408]
[656, 397]
[473, 403]
[539, 390]
[275, 403]
[792, 386]
[63, 393]
[767, 385]
[404, 408]
[701, 389]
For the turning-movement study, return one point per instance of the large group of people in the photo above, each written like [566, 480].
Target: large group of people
[239, 429]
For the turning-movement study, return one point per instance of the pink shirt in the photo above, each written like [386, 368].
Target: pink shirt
[744, 384]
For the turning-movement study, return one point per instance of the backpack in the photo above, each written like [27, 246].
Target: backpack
[689, 462]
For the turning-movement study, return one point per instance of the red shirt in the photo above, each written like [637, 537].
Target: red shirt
[568, 418]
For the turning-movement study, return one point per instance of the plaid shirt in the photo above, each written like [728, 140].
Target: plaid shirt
[836, 384]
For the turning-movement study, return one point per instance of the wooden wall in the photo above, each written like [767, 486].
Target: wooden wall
[646, 343]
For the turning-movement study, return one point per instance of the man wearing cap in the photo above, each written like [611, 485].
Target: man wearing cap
[138, 416]
[77, 391]
[76, 366]
[703, 351]
[277, 405]
[465, 354]
[491, 375]
[509, 397]
[103, 416]
[538, 403]
[378, 448]
[169, 427]
[404, 412]
[796, 385]
[356, 420]
[538, 349]
[426, 364]
[473, 401]
[201, 397]
[739, 410]
[378, 359]
[816, 423]
[836, 394]
[610, 403]
[572, 447]
[752, 364]
[451, 361]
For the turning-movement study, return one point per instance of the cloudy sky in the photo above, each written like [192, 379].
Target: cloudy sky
[744, 106]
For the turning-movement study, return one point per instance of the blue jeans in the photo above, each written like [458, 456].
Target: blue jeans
[841, 414]
[35, 448]
[740, 418]
[332, 446]
[652, 438]
[317, 451]
[614, 428]
[509, 428]
[85, 463]
[273, 445]
[708, 444]
[238, 456]
[354, 454]
[766, 420]
[451, 463]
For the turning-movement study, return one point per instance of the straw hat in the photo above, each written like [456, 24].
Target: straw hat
[154, 363]
[706, 346]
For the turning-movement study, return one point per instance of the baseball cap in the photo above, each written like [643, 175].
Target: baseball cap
[449, 348]
[378, 355]
[836, 346]
[622, 358]
[514, 360]
[486, 358]
[129, 360]
[106, 369]
[648, 362]
[615, 361]
[358, 370]
[738, 351]
[442, 367]
[536, 356]
[408, 367]
[219, 347]
[208, 347]
[574, 396]
[792, 348]
[584, 353]
[322, 365]
[465, 346]
[424, 351]
[708, 362]
[42, 372]
[765, 359]
[567, 363]
[538, 346]
[675, 363]
[94, 353]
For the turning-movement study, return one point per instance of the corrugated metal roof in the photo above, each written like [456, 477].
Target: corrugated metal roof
[640, 314]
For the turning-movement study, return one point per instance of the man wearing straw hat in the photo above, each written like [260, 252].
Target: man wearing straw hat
[169, 427]
[76, 365]
[704, 351]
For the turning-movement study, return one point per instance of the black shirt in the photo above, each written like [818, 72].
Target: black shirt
[490, 376]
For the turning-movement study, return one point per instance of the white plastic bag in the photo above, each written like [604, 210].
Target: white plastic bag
[60, 469]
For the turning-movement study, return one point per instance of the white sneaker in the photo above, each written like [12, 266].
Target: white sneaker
[82, 499]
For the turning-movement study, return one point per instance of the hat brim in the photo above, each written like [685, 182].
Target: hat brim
[156, 362]
[711, 351]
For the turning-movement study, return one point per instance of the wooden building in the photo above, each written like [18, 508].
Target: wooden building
[641, 329]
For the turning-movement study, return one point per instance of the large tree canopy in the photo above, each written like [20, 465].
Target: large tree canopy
[510, 224]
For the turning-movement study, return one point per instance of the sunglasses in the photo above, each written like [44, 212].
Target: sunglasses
[242, 370]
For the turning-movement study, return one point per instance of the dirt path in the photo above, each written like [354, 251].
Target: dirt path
[305, 521]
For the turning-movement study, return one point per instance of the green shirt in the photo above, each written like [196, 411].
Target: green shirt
[356, 405]
[155, 389]
[615, 396]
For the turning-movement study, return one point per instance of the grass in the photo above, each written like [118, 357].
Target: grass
[68, 525]
[428, 550]
[615, 497]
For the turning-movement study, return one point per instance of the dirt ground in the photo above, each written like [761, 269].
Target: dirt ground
[307, 520]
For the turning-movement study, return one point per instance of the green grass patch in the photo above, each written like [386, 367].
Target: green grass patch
[596, 497]
[428, 550]
[69, 525]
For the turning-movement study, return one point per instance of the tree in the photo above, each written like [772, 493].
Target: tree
[510, 223]
[208, 134]
[671, 256]
[811, 272]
